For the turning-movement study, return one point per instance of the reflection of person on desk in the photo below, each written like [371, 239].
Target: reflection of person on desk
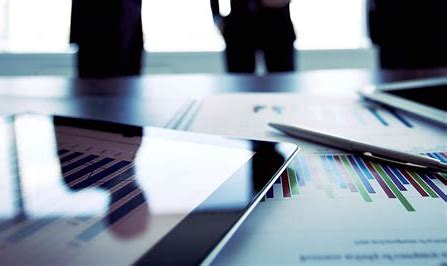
[409, 34]
[118, 180]
[254, 25]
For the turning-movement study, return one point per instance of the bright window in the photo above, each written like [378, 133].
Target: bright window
[179, 25]
[35, 25]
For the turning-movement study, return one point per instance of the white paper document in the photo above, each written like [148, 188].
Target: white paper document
[247, 115]
[330, 207]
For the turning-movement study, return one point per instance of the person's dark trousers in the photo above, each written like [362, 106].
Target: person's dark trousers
[102, 62]
[412, 57]
[409, 34]
[240, 58]
[269, 31]
[109, 37]
[277, 58]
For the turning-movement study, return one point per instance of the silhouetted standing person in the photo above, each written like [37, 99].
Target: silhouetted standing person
[257, 25]
[409, 34]
[109, 36]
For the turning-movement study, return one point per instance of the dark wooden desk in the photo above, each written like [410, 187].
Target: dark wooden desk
[152, 100]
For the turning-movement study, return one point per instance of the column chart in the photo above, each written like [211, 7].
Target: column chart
[336, 174]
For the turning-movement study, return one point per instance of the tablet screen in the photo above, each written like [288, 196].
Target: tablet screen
[82, 196]
[433, 96]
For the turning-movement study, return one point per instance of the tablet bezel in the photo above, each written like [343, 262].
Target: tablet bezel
[203, 230]
[378, 93]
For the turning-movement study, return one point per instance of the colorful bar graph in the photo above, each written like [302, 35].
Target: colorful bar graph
[332, 168]
[437, 190]
[398, 175]
[354, 174]
[356, 179]
[344, 172]
[393, 187]
[413, 183]
[422, 184]
[393, 178]
[379, 179]
[361, 175]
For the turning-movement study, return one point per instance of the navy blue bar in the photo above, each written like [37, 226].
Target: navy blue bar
[89, 169]
[393, 177]
[97, 177]
[397, 173]
[70, 157]
[363, 167]
[362, 176]
[270, 193]
[278, 181]
[378, 116]
[434, 187]
[438, 157]
[29, 230]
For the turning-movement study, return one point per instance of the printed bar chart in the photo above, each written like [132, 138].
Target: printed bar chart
[354, 174]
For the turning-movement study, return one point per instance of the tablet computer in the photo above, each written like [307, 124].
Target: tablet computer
[83, 192]
[425, 97]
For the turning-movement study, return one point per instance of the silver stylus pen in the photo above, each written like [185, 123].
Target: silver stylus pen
[372, 151]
